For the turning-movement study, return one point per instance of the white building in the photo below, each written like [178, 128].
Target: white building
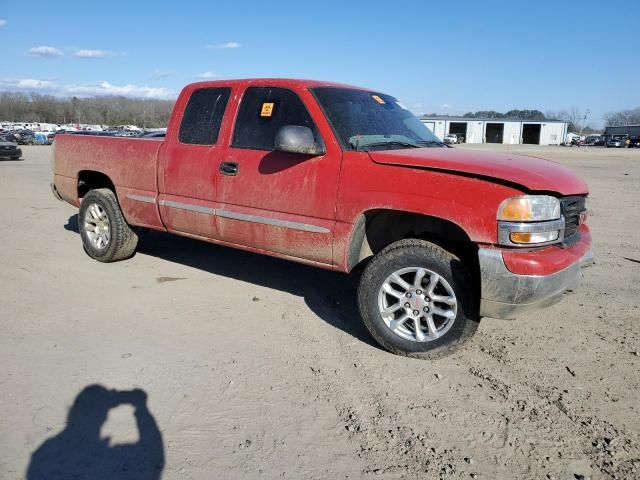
[498, 130]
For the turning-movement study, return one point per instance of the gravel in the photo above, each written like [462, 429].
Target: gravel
[255, 367]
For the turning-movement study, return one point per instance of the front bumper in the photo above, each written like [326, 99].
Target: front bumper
[54, 190]
[506, 295]
[11, 153]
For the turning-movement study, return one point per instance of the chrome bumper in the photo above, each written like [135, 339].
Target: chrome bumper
[506, 295]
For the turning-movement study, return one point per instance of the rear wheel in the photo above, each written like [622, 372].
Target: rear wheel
[105, 234]
[416, 299]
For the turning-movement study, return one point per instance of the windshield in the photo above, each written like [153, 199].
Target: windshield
[364, 120]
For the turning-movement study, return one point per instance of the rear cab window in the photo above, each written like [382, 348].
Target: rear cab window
[203, 116]
[263, 111]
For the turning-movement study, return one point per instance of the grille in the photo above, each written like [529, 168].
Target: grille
[572, 207]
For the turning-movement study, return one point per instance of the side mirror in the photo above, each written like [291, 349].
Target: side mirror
[297, 139]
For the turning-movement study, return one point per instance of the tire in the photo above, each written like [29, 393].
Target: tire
[15, 158]
[421, 255]
[122, 240]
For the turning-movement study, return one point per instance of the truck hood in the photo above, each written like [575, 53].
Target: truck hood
[532, 173]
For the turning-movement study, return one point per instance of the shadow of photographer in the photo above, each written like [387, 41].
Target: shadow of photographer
[78, 452]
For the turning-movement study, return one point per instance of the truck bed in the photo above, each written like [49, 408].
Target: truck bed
[130, 163]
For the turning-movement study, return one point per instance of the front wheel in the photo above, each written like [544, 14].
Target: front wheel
[106, 235]
[417, 299]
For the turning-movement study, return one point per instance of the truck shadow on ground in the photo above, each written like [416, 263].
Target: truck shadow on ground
[78, 452]
[332, 296]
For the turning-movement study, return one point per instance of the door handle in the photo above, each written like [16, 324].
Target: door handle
[229, 168]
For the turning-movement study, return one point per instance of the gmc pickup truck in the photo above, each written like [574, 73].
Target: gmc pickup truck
[347, 179]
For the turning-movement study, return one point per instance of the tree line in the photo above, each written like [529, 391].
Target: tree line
[117, 110]
[151, 113]
[519, 114]
[623, 117]
[575, 118]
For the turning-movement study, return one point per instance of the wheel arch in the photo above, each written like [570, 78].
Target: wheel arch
[376, 229]
[93, 179]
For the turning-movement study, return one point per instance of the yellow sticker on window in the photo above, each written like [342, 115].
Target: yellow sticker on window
[267, 109]
[378, 99]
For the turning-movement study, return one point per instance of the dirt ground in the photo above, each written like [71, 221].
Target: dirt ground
[255, 367]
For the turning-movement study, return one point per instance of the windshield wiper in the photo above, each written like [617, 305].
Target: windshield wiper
[391, 142]
[432, 142]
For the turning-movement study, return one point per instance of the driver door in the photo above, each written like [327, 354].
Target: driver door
[278, 202]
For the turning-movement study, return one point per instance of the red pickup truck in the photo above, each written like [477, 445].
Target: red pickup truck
[342, 178]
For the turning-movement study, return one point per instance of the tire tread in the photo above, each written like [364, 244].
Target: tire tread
[389, 253]
[122, 235]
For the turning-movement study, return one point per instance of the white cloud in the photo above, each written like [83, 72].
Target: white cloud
[416, 107]
[3, 22]
[85, 90]
[206, 75]
[45, 51]
[446, 106]
[223, 46]
[86, 53]
[25, 84]
[160, 74]
[129, 90]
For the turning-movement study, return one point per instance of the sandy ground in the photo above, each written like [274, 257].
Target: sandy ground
[259, 368]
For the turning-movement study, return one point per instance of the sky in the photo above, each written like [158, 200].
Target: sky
[442, 57]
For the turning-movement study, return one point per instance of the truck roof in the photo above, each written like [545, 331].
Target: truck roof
[291, 83]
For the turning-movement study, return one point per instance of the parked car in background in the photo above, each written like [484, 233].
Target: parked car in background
[450, 138]
[9, 137]
[40, 138]
[9, 149]
[594, 140]
[159, 134]
[24, 137]
[93, 133]
[617, 141]
[572, 139]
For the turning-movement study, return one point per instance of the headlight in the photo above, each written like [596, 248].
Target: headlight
[530, 220]
[529, 208]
